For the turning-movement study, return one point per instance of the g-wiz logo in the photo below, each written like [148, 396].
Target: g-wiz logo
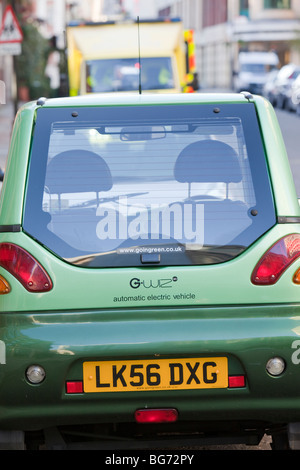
[135, 283]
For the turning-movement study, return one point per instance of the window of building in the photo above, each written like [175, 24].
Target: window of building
[214, 12]
[280, 4]
[244, 7]
[164, 12]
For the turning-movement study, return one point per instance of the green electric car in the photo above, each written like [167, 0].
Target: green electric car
[149, 274]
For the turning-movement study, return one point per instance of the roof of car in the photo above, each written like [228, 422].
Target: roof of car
[119, 99]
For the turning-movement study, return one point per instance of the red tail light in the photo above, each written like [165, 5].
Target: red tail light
[156, 415]
[24, 267]
[276, 260]
[73, 387]
[236, 381]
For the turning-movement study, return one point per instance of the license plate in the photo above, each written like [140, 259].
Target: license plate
[162, 374]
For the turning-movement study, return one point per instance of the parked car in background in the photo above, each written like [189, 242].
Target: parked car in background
[253, 71]
[269, 89]
[282, 91]
[295, 96]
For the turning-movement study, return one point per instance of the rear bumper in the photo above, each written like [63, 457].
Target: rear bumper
[62, 341]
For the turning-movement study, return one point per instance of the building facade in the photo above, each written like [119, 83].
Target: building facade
[224, 27]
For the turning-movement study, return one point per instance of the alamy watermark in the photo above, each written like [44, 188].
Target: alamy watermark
[2, 92]
[121, 221]
[296, 354]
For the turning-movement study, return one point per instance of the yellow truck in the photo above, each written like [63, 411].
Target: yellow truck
[147, 56]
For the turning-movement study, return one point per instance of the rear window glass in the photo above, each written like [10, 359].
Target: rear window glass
[148, 185]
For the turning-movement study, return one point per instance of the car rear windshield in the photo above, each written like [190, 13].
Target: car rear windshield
[148, 185]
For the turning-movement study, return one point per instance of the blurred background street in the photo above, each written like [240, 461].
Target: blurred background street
[229, 45]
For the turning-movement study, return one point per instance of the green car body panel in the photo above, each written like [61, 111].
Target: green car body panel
[173, 311]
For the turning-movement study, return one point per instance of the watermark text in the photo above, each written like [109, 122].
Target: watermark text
[182, 222]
